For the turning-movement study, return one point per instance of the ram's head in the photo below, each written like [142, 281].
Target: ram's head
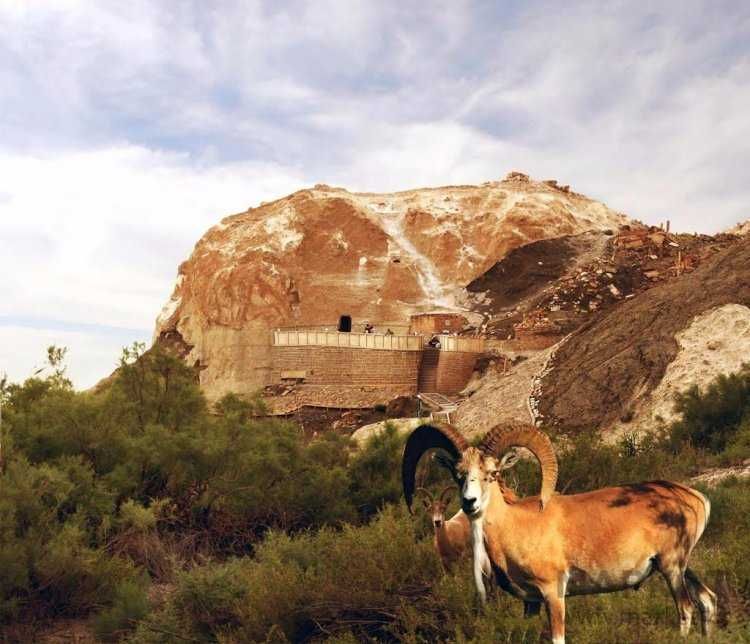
[475, 469]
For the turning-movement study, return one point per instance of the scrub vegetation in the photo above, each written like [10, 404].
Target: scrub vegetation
[155, 517]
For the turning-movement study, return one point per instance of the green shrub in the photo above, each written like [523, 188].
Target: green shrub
[103, 490]
[73, 579]
[711, 417]
[308, 584]
[588, 463]
[129, 606]
[375, 471]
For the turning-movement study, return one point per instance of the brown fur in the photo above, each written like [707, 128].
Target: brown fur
[452, 539]
[600, 541]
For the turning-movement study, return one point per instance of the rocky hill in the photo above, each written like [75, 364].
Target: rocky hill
[320, 253]
[613, 369]
[591, 320]
[642, 325]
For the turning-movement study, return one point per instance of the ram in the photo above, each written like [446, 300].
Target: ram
[452, 537]
[544, 548]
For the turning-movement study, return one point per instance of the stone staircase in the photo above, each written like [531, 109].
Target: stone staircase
[428, 370]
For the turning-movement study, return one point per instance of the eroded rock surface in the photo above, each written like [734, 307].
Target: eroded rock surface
[321, 253]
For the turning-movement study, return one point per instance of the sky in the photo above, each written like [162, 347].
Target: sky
[128, 129]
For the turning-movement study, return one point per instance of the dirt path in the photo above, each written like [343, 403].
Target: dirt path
[716, 475]
[501, 397]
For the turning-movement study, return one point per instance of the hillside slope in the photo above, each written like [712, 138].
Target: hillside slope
[604, 371]
[637, 327]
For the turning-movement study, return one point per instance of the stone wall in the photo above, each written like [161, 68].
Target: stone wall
[349, 366]
[445, 372]
[454, 370]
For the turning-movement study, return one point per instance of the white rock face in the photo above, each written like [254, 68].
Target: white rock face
[716, 342]
[403, 426]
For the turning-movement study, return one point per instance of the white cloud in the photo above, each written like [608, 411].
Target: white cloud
[96, 237]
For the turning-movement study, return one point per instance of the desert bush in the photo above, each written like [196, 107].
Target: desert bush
[51, 520]
[266, 536]
[362, 579]
[72, 578]
[712, 417]
[129, 606]
[155, 388]
[375, 471]
[588, 463]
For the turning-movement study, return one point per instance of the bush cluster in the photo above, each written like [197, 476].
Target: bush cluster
[142, 477]
[717, 418]
[240, 530]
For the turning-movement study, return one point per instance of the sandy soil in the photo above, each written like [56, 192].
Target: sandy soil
[716, 475]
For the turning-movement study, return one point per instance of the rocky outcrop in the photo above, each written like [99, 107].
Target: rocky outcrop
[318, 254]
[715, 343]
[743, 228]
[606, 371]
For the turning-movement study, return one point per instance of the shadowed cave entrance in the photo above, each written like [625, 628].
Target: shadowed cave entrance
[345, 323]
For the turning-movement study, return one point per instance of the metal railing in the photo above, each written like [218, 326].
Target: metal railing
[293, 338]
[460, 343]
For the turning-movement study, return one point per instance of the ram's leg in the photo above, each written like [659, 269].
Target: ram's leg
[676, 581]
[479, 575]
[531, 609]
[706, 600]
[555, 606]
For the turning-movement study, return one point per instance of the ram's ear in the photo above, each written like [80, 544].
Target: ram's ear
[508, 460]
[447, 495]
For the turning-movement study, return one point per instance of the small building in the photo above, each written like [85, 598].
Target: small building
[429, 324]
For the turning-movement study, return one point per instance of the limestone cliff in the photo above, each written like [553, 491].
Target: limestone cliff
[320, 253]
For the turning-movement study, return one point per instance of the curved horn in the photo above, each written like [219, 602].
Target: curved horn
[450, 488]
[501, 437]
[422, 439]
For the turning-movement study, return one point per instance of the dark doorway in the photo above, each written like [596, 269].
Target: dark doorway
[345, 323]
